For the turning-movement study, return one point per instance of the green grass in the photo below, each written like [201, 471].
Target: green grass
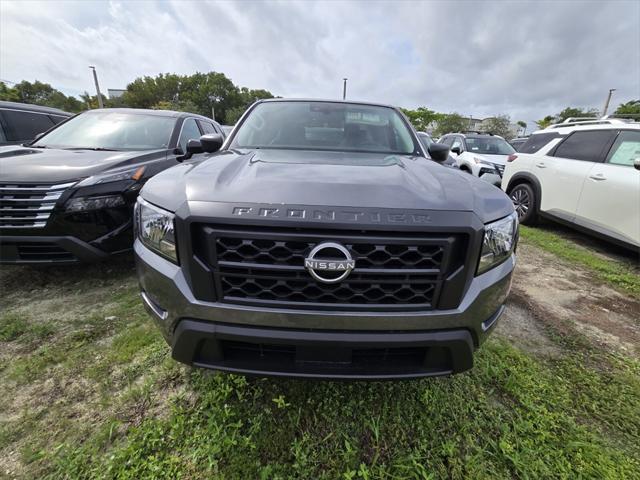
[513, 416]
[11, 327]
[617, 274]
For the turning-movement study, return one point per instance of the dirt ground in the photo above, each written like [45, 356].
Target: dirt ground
[550, 293]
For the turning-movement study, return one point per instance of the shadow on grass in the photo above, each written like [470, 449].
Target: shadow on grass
[18, 278]
[591, 242]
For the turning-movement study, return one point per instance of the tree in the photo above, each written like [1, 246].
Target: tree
[8, 94]
[247, 97]
[500, 125]
[631, 108]
[91, 101]
[575, 112]
[545, 122]
[39, 93]
[523, 125]
[148, 91]
[421, 118]
[178, 106]
[204, 93]
[450, 122]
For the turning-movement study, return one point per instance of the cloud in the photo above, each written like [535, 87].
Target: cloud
[525, 59]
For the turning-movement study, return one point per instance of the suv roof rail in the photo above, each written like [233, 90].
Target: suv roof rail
[577, 119]
[591, 121]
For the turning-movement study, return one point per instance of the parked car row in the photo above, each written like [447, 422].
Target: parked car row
[481, 154]
[68, 196]
[20, 122]
[583, 173]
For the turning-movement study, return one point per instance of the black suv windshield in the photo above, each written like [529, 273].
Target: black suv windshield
[489, 146]
[105, 130]
[324, 126]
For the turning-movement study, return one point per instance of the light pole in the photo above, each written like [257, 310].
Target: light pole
[606, 104]
[344, 89]
[95, 79]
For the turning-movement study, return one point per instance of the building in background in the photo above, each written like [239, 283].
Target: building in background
[115, 92]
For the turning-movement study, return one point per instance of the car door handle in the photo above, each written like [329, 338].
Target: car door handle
[597, 176]
[541, 165]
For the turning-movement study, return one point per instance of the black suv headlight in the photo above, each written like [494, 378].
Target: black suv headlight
[156, 230]
[500, 239]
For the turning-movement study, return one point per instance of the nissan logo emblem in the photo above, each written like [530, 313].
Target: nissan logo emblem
[318, 264]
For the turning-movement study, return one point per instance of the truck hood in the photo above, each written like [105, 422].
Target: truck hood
[53, 165]
[340, 179]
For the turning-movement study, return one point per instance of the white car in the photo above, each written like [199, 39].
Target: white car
[585, 174]
[481, 154]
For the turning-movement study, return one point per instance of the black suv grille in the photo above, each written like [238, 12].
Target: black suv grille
[28, 205]
[392, 271]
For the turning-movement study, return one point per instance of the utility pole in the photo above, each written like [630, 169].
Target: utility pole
[95, 79]
[606, 104]
[344, 89]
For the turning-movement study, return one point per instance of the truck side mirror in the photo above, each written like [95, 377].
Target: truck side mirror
[211, 142]
[438, 152]
[193, 146]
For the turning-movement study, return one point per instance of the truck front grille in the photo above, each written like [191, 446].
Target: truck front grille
[28, 205]
[393, 271]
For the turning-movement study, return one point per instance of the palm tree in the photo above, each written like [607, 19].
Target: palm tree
[545, 122]
[523, 125]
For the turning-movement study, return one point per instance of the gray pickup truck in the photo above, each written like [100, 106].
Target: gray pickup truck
[321, 240]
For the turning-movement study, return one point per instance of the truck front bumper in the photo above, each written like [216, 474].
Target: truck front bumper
[296, 343]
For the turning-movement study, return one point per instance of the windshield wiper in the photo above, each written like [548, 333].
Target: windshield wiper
[95, 149]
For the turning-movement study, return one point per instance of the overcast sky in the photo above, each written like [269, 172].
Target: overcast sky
[476, 58]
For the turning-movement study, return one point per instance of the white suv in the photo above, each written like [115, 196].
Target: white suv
[481, 154]
[584, 173]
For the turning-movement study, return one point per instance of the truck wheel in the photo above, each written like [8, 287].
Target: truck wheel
[524, 201]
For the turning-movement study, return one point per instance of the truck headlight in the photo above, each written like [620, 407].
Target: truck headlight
[499, 241]
[155, 229]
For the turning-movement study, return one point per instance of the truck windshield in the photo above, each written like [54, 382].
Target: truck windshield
[324, 126]
[105, 130]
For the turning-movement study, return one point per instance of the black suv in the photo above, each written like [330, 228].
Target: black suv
[322, 241]
[20, 122]
[69, 196]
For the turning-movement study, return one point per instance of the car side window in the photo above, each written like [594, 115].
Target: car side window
[57, 118]
[189, 131]
[447, 141]
[22, 126]
[537, 141]
[587, 146]
[207, 127]
[626, 149]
